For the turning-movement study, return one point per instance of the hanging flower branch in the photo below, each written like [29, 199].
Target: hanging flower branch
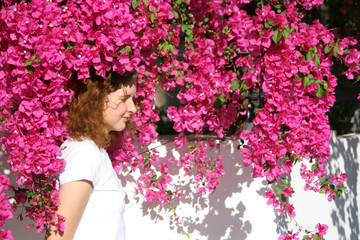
[219, 52]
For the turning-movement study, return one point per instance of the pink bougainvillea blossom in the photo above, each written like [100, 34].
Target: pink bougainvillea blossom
[219, 54]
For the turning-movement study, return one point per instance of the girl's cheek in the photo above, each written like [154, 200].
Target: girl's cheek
[121, 106]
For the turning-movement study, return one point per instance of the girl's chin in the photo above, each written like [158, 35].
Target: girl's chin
[118, 128]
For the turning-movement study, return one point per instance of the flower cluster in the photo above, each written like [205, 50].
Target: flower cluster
[5, 207]
[221, 54]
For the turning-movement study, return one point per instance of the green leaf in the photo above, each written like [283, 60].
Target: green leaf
[189, 84]
[309, 55]
[336, 51]
[323, 180]
[283, 198]
[228, 52]
[326, 86]
[147, 161]
[206, 20]
[188, 235]
[27, 63]
[320, 91]
[278, 190]
[153, 177]
[179, 73]
[313, 167]
[30, 69]
[286, 32]
[226, 31]
[219, 101]
[127, 50]
[135, 3]
[69, 45]
[147, 74]
[317, 60]
[297, 158]
[305, 237]
[30, 195]
[243, 90]
[211, 166]
[277, 35]
[306, 81]
[176, 15]
[316, 237]
[222, 99]
[327, 49]
[357, 79]
[145, 2]
[152, 17]
[271, 182]
[269, 23]
[339, 192]
[164, 46]
[171, 48]
[235, 85]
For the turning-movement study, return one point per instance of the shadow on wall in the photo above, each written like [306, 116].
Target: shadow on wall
[224, 217]
[346, 210]
[225, 213]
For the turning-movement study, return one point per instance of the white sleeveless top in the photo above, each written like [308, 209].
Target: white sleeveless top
[103, 215]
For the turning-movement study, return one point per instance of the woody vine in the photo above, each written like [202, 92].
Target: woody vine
[217, 51]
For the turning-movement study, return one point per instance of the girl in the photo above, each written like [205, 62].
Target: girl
[91, 197]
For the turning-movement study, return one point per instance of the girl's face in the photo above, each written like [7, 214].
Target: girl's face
[119, 106]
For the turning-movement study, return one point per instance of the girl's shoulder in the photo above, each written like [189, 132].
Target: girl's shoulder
[73, 144]
[86, 147]
[83, 160]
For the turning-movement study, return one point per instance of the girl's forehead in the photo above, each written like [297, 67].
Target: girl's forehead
[128, 90]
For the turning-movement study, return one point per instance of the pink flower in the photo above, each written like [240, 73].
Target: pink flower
[322, 228]
[288, 191]
[201, 191]
[289, 236]
[6, 234]
[271, 198]
[337, 180]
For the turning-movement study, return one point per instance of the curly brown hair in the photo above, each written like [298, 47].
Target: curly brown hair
[85, 117]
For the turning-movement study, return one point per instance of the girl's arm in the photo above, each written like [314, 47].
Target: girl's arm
[73, 199]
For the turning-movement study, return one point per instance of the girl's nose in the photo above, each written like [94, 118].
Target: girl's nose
[131, 107]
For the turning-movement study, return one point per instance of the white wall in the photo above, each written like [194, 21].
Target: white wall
[237, 210]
